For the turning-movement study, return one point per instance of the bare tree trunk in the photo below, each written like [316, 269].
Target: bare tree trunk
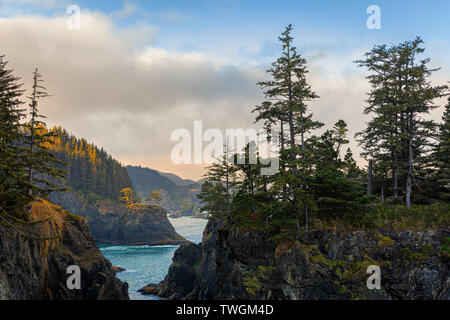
[306, 218]
[292, 141]
[283, 166]
[227, 177]
[30, 169]
[297, 221]
[395, 181]
[302, 134]
[409, 176]
[30, 189]
[252, 190]
[370, 178]
[228, 192]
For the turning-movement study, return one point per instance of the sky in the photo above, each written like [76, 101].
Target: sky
[137, 70]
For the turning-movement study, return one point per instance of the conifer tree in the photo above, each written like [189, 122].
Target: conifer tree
[287, 94]
[340, 135]
[43, 171]
[220, 181]
[12, 175]
[398, 134]
[442, 155]
[213, 198]
[249, 163]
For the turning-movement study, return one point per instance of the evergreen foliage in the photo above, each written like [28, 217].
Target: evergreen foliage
[442, 156]
[320, 183]
[12, 173]
[399, 137]
[90, 170]
[43, 170]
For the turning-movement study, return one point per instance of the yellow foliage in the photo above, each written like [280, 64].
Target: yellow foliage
[128, 196]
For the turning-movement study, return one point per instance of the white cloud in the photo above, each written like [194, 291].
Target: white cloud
[123, 97]
[107, 86]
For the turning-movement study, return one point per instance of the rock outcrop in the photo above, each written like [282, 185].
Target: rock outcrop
[36, 268]
[182, 276]
[323, 265]
[115, 224]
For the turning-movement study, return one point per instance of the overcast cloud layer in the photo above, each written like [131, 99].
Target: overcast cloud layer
[108, 87]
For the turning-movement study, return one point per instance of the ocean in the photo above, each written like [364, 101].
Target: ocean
[149, 264]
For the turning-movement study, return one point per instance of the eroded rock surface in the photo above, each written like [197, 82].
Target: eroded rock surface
[323, 265]
[35, 269]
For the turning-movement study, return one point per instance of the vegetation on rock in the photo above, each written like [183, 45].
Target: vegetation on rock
[318, 188]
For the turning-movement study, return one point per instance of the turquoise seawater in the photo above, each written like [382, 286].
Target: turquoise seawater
[149, 264]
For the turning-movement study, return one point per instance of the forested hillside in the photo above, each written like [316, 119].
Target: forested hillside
[39, 241]
[175, 197]
[176, 179]
[89, 168]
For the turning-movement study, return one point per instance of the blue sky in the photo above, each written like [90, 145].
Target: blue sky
[138, 70]
[248, 28]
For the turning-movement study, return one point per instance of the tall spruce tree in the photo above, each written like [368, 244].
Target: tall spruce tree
[380, 139]
[287, 94]
[340, 135]
[442, 155]
[401, 95]
[220, 182]
[250, 164]
[12, 175]
[42, 165]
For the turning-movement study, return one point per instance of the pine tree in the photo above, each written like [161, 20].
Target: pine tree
[380, 139]
[43, 172]
[340, 135]
[12, 175]
[213, 199]
[249, 163]
[221, 183]
[398, 135]
[287, 94]
[442, 155]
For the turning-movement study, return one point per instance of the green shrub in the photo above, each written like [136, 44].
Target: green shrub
[444, 251]
[405, 253]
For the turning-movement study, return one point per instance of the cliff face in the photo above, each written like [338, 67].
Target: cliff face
[36, 269]
[324, 265]
[113, 223]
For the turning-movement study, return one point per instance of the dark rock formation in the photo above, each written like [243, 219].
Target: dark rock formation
[206, 279]
[324, 265]
[115, 224]
[118, 269]
[182, 276]
[150, 289]
[35, 269]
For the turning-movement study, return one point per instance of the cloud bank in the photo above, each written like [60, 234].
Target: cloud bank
[113, 87]
[123, 97]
